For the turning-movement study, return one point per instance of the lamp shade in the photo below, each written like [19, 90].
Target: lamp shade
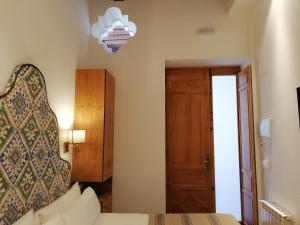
[77, 136]
[131, 28]
[112, 30]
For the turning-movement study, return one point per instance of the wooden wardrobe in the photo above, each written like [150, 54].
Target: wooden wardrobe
[94, 112]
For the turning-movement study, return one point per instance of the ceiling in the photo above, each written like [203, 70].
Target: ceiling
[240, 5]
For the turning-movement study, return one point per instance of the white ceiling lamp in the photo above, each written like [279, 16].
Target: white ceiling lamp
[113, 29]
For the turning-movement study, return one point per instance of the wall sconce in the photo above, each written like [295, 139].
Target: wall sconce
[76, 137]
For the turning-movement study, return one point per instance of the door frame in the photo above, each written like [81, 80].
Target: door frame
[219, 71]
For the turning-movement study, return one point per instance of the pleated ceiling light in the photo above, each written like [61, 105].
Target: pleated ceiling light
[113, 29]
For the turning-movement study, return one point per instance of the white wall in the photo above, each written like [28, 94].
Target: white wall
[276, 51]
[53, 35]
[166, 31]
[227, 171]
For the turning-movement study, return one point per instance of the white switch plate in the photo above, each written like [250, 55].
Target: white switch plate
[267, 163]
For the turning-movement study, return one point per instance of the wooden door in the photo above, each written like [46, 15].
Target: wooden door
[189, 150]
[247, 152]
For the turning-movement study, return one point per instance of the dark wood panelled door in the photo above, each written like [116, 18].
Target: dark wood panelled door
[189, 156]
[247, 152]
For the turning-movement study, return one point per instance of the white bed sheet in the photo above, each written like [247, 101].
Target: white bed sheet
[122, 219]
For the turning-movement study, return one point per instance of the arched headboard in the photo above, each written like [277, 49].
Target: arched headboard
[32, 174]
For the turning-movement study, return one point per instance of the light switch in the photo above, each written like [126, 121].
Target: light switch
[266, 163]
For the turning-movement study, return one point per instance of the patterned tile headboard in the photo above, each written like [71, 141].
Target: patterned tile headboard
[32, 174]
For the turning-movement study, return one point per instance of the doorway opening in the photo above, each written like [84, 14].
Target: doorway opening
[226, 145]
[194, 159]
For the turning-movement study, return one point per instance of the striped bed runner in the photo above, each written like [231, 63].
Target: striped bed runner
[192, 219]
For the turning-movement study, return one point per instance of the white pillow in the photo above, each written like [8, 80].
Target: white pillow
[58, 206]
[55, 220]
[84, 211]
[27, 219]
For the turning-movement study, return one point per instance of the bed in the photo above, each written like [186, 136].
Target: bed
[32, 174]
[165, 219]
[34, 179]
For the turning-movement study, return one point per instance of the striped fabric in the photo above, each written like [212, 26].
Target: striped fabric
[192, 219]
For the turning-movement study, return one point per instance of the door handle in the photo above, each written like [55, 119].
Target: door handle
[207, 161]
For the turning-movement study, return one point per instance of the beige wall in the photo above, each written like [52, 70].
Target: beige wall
[276, 51]
[54, 35]
[50, 34]
[166, 30]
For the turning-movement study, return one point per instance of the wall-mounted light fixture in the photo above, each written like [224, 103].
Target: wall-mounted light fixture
[76, 137]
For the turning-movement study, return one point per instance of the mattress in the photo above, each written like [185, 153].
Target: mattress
[122, 219]
[165, 219]
[192, 219]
